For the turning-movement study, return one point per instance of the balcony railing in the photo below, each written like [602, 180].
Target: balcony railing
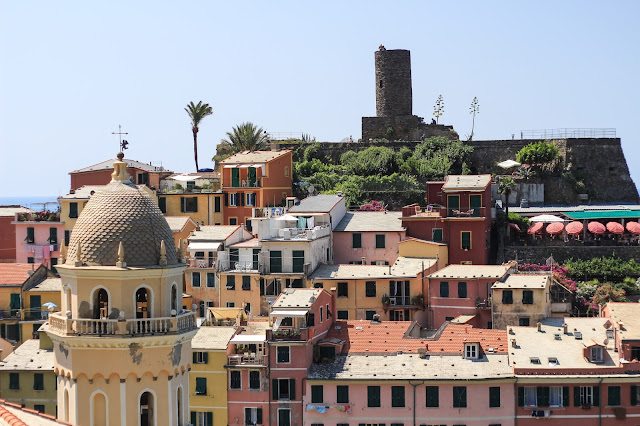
[133, 327]
[239, 266]
[483, 303]
[289, 334]
[246, 359]
[202, 263]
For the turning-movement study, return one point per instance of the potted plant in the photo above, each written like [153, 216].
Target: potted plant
[418, 299]
[386, 301]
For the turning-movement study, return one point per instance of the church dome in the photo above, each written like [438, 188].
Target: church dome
[121, 212]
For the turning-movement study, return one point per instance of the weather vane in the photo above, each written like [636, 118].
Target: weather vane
[123, 143]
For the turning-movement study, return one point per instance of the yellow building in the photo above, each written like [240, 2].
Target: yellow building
[37, 297]
[204, 208]
[122, 345]
[395, 292]
[521, 300]
[27, 378]
[208, 377]
[414, 247]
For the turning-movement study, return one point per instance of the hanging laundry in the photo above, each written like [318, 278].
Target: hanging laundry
[46, 252]
[28, 248]
[39, 252]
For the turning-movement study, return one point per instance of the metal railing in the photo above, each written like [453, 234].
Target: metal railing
[240, 266]
[283, 136]
[568, 133]
[134, 327]
[246, 359]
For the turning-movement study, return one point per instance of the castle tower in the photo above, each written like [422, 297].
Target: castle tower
[393, 83]
[122, 343]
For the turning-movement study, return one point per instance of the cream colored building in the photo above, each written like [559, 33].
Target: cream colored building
[122, 343]
[522, 299]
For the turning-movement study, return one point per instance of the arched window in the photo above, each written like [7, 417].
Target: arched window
[174, 297]
[67, 294]
[142, 303]
[146, 409]
[100, 304]
[179, 399]
[99, 409]
[65, 407]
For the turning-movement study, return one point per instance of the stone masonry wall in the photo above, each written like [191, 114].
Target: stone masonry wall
[539, 254]
[393, 83]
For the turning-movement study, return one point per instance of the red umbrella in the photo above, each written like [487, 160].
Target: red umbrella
[535, 228]
[615, 228]
[555, 228]
[633, 227]
[574, 228]
[596, 228]
[515, 226]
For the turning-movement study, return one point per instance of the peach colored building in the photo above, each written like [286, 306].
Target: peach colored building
[385, 373]
[254, 179]
[8, 231]
[464, 290]
[38, 238]
[100, 174]
[369, 237]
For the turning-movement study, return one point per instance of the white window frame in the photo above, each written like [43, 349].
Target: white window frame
[201, 418]
[251, 199]
[280, 410]
[586, 395]
[530, 396]
[471, 351]
[596, 353]
[253, 414]
[288, 380]
[233, 199]
[555, 396]
[199, 357]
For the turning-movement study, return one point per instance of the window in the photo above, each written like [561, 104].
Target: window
[200, 357]
[462, 290]
[275, 258]
[254, 380]
[39, 408]
[373, 396]
[251, 199]
[234, 256]
[507, 297]
[246, 282]
[235, 177]
[321, 314]
[444, 288]
[370, 289]
[586, 395]
[530, 396]
[436, 235]
[162, 204]
[380, 241]
[523, 322]
[253, 416]
[635, 394]
[397, 396]
[317, 394]
[211, 279]
[201, 386]
[613, 396]
[465, 240]
[471, 351]
[433, 396]
[202, 418]
[233, 199]
[284, 389]
[31, 259]
[298, 261]
[30, 235]
[233, 221]
[555, 396]
[14, 381]
[453, 203]
[216, 205]
[73, 210]
[231, 304]
[368, 315]
[284, 417]
[286, 170]
[195, 279]
[231, 282]
[596, 353]
[283, 354]
[188, 204]
[235, 381]
[342, 394]
[494, 396]
[527, 297]
[459, 396]
[53, 235]
[343, 315]
[67, 237]
[356, 239]
[343, 289]
[311, 319]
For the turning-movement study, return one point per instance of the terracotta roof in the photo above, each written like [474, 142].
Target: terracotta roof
[15, 273]
[16, 415]
[466, 182]
[121, 212]
[177, 223]
[366, 337]
[472, 271]
[108, 164]
[214, 232]
[253, 242]
[254, 157]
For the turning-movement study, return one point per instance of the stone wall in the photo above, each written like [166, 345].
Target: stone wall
[393, 83]
[405, 128]
[539, 254]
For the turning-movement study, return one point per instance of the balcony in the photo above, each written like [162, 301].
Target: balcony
[239, 266]
[202, 263]
[289, 334]
[466, 213]
[483, 303]
[128, 327]
[10, 314]
[296, 234]
[247, 359]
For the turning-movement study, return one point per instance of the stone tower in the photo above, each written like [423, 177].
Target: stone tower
[394, 118]
[122, 343]
[393, 83]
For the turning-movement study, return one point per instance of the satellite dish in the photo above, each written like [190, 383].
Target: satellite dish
[311, 189]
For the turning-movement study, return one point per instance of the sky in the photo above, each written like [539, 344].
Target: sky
[72, 71]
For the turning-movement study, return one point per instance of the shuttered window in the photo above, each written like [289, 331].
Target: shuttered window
[444, 288]
[235, 380]
[459, 396]
[73, 210]
[494, 396]
[373, 396]
[30, 235]
[433, 396]
[370, 289]
[397, 396]
[317, 394]
[342, 394]
[356, 239]
[201, 386]
[465, 240]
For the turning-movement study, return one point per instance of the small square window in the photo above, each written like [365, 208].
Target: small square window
[380, 241]
[283, 354]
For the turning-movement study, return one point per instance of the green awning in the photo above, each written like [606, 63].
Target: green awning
[604, 214]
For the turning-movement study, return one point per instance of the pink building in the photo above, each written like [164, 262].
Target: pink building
[267, 387]
[369, 236]
[384, 376]
[39, 236]
[464, 290]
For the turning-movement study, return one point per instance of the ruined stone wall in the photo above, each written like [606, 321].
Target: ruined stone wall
[393, 83]
[539, 254]
[405, 128]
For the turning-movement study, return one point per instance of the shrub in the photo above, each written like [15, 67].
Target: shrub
[538, 153]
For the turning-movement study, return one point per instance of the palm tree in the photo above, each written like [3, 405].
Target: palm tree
[243, 137]
[196, 114]
[505, 187]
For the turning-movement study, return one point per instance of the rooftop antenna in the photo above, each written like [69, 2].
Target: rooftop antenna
[123, 143]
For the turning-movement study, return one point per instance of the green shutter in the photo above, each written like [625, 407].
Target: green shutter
[437, 235]
[494, 396]
[596, 395]
[209, 418]
[195, 357]
[576, 396]
[317, 396]
[201, 385]
[259, 416]
[181, 204]
[342, 396]
[466, 240]
[520, 396]
[235, 177]
[356, 240]
[194, 417]
[274, 389]
[206, 358]
[226, 199]
[292, 389]
[542, 396]
[433, 396]
[30, 235]
[195, 204]
[565, 396]
[613, 395]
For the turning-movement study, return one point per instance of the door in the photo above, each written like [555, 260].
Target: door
[235, 177]
[275, 261]
[35, 305]
[298, 261]
[475, 204]
[251, 177]
[453, 203]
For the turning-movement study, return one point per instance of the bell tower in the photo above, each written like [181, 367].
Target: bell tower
[122, 342]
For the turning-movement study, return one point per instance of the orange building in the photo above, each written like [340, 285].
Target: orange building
[254, 179]
[100, 174]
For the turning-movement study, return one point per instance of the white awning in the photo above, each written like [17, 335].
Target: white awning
[208, 246]
[290, 314]
[246, 166]
[248, 338]
[184, 178]
[507, 164]
[276, 325]
[288, 218]
[230, 166]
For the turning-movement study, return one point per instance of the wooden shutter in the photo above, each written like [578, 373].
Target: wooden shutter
[181, 204]
[195, 204]
[274, 389]
[520, 396]
[565, 396]
[194, 417]
[206, 357]
[259, 416]
[433, 396]
[576, 396]
[209, 418]
[543, 396]
[596, 395]
[292, 389]
[195, 357]
[226, 199]
[634, 395]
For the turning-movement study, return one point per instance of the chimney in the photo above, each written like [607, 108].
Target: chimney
[565, 328]
[363, 260]
[539, 326]
[513, 343]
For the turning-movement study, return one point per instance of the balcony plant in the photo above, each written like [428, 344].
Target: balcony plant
[418, 299]
[386, 301]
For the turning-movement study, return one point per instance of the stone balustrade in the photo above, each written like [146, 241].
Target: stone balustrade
[132, 327]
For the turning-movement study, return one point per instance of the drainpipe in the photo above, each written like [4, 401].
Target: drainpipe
[269, 384]
[414, 399]
[600, 401]
[515, 403]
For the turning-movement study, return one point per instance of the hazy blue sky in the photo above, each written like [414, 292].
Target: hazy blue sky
[70, 72]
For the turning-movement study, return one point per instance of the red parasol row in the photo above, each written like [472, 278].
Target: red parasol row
[555, 228]
[535, 228]
[615, 228]
[633, 227]
[574, 228]
[596, 228]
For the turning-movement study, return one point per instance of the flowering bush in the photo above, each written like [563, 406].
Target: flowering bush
[373, 206]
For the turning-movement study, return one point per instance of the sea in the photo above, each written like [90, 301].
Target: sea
[37, 203]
